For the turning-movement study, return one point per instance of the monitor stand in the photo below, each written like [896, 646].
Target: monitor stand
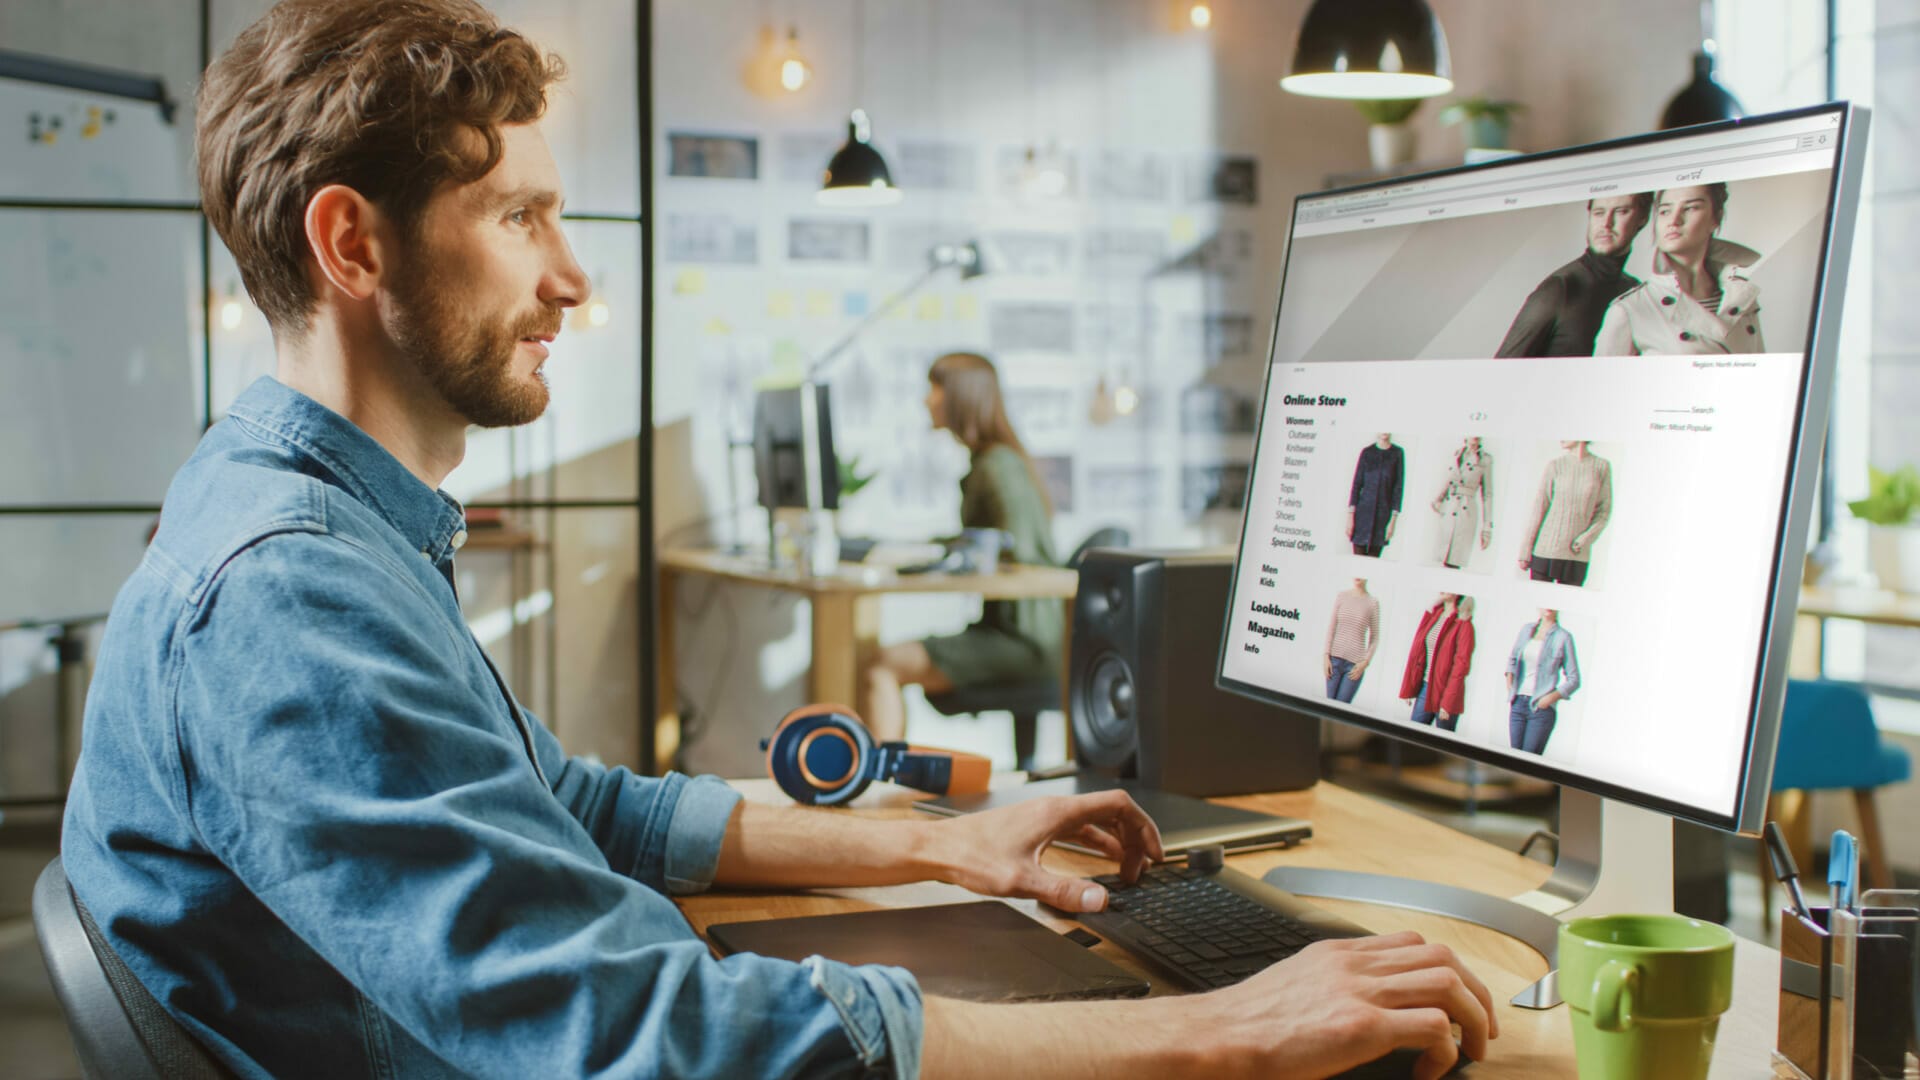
[1613, 858]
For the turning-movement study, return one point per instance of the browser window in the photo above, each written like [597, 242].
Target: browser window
[1522, 466]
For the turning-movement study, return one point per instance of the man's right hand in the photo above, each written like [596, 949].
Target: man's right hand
[1338, 1004]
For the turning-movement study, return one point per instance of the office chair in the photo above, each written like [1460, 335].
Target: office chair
[119, 1031]
[1025, 700]
[1828, 741]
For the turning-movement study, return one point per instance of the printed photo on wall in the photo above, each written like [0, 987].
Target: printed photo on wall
[1374, 498]
[1224, 179]
[827, 240]
[1542, 676]
[1208, 408]
[1124, 487]
[1433, 684]
[713, 157]
[1056, 474]
[1353, 636]
[1206, 488]
[1462, 507]
[1561, 528]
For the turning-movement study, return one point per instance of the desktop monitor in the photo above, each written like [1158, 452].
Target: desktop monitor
[1532, 480]
[1584, 393]
[779, 457]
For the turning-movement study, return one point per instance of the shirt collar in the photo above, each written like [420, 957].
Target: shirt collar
[429, 520]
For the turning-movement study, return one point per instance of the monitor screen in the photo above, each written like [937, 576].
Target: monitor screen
[1531, 456]
[779, 448]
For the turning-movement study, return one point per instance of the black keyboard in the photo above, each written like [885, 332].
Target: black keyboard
[1209, 929]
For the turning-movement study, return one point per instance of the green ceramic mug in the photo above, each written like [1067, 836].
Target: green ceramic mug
[1645, 993]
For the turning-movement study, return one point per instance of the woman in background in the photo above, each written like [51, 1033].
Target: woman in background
[1015, 640]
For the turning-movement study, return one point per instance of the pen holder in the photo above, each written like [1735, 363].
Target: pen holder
[1847, 991]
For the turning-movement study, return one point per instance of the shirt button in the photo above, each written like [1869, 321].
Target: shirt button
[1667, 300]
[1751, 330]
[1733, 311]
[459, 539]
[425, 554]
[1685, 336]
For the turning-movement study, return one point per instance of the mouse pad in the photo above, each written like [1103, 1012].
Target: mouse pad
[978, 951]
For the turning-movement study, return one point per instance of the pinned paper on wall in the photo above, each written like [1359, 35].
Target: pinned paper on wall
[780, 304]
[690, 282]
[717, 327]
[853, 303]
[1183, 230]
[929, 309]
[966, 307]
[819, 304]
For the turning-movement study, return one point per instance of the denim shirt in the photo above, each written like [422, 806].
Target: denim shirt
[1559, 667]
[312, 820]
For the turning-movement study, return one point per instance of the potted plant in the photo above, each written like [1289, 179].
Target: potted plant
[1389, 138]
[1487, 121]
[1893, 546]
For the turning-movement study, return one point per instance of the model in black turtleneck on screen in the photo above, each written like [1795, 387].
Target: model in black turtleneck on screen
[1562, 316]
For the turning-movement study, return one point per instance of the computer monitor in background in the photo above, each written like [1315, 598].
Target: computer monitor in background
[1578, 399]
[779, 448]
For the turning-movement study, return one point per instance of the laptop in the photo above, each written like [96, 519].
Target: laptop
[1185, 823]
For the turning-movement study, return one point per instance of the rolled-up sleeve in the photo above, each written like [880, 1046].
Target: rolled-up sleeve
[370, 789]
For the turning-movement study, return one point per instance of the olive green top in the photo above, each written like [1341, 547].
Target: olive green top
[1014, 639]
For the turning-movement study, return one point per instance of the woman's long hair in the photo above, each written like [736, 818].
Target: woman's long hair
[976, 413]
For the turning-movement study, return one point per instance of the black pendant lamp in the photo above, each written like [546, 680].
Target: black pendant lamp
[1370, 50]
[857, 175]
[1702, 101]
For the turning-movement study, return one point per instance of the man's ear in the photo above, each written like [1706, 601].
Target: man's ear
[346, 235]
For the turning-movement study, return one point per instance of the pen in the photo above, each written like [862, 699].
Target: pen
[1843, 869]
[1784, 868]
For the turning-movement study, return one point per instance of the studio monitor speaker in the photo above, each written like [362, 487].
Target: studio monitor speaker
[1146, 640]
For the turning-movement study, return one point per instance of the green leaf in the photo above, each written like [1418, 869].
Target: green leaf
[1892, 497]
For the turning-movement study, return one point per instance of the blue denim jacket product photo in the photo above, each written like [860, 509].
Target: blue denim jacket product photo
[310, 817]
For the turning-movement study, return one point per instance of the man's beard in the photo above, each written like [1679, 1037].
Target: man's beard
[466, 356]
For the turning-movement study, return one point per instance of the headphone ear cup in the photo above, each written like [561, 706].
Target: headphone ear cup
[821, 755]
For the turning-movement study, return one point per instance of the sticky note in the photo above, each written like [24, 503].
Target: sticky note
[819, 304]
[853, 303]
[717, 327]
[1182, 229]
[929, 309]
[690, 282]
[966, 307]
[780, 304]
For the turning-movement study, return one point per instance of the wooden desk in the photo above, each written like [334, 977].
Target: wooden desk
[1355, 833]
[1878, 607]
[846, 616]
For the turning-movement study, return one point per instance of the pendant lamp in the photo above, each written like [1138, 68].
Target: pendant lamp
[1704, 100]
[1370, 50]
[857, 175]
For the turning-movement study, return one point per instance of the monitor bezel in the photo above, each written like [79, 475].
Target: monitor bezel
[1804, 453]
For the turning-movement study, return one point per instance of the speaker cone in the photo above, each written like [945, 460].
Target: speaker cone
[1103, 719]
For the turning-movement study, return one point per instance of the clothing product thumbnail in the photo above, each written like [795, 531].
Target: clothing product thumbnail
[1542, 671]
[1352, 634]
[1465, 506]
[1571, 509]
[1379, 478]
[1435, 678]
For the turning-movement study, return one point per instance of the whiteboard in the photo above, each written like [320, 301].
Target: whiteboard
[100, 347]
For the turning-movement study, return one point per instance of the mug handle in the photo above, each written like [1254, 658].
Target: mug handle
[1614, 987]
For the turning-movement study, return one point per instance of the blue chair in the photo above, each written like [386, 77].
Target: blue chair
[1828, 741]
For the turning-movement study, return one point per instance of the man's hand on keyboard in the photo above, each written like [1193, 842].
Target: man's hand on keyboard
[997, 853]
[1338, 1004]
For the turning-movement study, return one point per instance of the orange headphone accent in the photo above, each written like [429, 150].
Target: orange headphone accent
[822, 755]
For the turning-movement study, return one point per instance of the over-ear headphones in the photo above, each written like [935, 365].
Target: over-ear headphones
[822, 755]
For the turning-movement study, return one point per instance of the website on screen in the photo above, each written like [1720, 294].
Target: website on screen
[1525, 447]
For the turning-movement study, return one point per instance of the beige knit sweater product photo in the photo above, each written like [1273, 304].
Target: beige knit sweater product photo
[1574, 503]
[1355, 628]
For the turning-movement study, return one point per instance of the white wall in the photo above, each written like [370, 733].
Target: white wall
[986, 76]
